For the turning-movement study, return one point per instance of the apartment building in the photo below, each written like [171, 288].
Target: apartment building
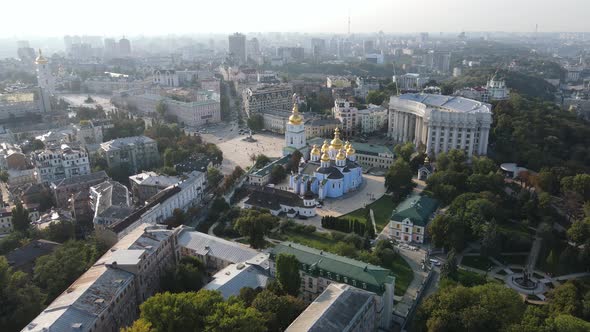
[136, 153]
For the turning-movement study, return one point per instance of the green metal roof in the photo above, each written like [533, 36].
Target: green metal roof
[362, 148]
[416, 208]
[371, 149]
[268, 167]
[322, 262]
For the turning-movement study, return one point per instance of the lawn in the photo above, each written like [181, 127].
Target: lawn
[403, 275]
[478, 262]
[382, 209]
[322, 241]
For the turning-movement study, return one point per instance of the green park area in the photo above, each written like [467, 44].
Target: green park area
[382, 209]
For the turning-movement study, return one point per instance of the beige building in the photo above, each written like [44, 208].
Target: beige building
[321, 127]
[137, 153]
[373, 118]
[346, 112]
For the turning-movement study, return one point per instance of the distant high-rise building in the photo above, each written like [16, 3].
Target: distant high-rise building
[111, 47]
[237, 47]
[369, 46]
[124, 47]
[24, 51]
[438, 60]
[423, 37]
[254, 51]
[318, 47]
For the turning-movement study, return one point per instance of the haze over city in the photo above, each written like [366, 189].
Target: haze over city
[315, 165]
[112, 17]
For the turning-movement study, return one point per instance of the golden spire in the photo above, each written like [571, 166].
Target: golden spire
[295, 118]
[336, 142]
[315, 151]
[40, 59]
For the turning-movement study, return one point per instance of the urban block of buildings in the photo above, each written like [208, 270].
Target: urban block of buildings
[319, 269]
[106, 297]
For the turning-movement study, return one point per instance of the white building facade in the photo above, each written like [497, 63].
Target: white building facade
[54, 164]
[442, 123]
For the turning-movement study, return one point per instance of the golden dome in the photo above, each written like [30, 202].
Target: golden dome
[350, 150]
[326, 146]
[40, 59]
[336, 143]
[346, 145]
[340, 155]
[315, 151]
[295, 118]
[325, 157]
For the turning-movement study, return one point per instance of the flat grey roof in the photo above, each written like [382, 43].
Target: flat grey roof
[205, 244]
[452, 103]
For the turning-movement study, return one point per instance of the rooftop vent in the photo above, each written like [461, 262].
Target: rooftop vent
[240, 266]
[99, 301]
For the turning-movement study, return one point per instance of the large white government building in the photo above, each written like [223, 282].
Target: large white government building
[441, 123]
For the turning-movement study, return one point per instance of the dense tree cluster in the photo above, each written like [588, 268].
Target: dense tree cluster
[493, 307]
[253, 310]
[526, 84]
[230, 180]
[398, 179]
[186, 276]
[348, 225]
[255, 224]
[255, 122]
[537, 135]
[23, 296]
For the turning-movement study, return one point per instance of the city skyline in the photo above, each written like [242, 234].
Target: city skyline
[63, 17]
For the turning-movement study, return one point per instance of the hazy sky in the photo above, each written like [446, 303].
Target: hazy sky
[148, 17]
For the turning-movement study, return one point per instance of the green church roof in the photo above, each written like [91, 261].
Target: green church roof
[416, 208]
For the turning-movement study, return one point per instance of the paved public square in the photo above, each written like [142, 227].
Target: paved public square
[236, 151]
[77, 100]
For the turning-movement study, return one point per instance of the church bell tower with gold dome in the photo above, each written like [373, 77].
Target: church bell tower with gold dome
[294, 132]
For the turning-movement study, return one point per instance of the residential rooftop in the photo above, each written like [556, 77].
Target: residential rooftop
[252, 273]
[208, 245]
[126, 141]
[417, 209]
[333, 310]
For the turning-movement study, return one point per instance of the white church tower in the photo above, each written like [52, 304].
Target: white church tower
[295, 132]
[45, 81]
